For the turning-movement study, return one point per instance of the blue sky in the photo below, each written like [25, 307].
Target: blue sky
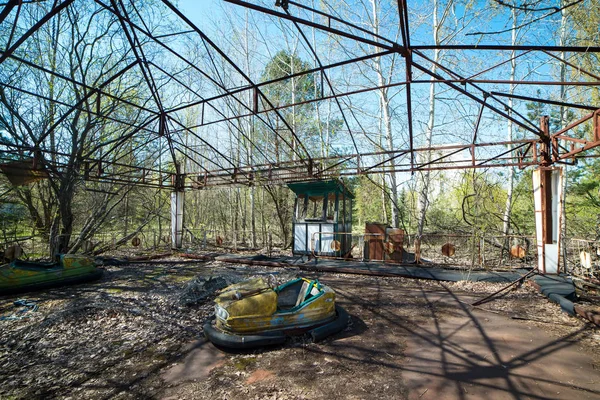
[200, 10]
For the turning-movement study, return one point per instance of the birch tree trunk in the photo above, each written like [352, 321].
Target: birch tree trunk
[387, 123]
[252, 139]
[509, 130]
[563, 122]
[424, 192]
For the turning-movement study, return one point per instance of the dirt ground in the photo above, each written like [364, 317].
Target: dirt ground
[132, 335]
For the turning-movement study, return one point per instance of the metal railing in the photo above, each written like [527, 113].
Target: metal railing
[463, 251]
[357, 244]
[583, 258]
[474, 251]
[38, 246]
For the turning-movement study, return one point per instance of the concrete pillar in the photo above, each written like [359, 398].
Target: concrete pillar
[177, 198]
[547, 195]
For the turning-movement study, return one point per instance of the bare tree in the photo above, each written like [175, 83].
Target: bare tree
[86, 111]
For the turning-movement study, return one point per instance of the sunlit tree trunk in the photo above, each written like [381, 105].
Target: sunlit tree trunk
[425, 177]
[252, 140]
[509, 130]
[563, 122]
[387, 123]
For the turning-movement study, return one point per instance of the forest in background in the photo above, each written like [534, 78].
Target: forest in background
[495, 201]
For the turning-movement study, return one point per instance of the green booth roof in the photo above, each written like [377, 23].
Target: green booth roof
[320, 187]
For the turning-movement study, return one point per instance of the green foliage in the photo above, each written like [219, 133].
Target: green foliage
[583, 199]
[535, 110]
[300, 88]
[475, 203]
[12, 212]
[367, 203]
[522, 217]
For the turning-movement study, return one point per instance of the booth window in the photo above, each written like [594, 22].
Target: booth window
[315, 208]
[300, 208]
[341, 214]
[331, 207]
[348, 210]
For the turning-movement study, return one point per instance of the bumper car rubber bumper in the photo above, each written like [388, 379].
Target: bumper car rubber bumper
[270, 338]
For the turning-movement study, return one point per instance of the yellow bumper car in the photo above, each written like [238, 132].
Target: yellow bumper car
[252, 313]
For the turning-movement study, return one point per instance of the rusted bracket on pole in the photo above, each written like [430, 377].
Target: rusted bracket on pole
[178, 182]
[545, 142]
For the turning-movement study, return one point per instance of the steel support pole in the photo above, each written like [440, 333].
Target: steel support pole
[547, 188]
[177, 200]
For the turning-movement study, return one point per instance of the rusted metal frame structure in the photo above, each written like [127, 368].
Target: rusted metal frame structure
[545, 150]
[403, 14]
[389, 46]
[482, 101]
[79, 108]
[227, 92]
[396, 152]
[146, 32]
[11, 4]
[317, 99]
[83, 85]
[545, 101]
[405, 32]
[508, 82]
[284, 78]
[306, 160]
[284, 106]
[55, 10]
[129, 177]
[459, 79]
[136, 46]
[583, 144]
[324, 74]
[134, 43]
[84, 99]
[141, 60]
[8, 7]
[189, 129]
[349, 165]
[90, 163]
[98, 91]
[91, 91]
[408, 49]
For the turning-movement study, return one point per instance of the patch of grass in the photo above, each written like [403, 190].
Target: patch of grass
[179, 278]
[242, 364]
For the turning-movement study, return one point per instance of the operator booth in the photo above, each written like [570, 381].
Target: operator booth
[322, 221]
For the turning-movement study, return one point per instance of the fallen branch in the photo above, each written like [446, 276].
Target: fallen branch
[487, 298]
